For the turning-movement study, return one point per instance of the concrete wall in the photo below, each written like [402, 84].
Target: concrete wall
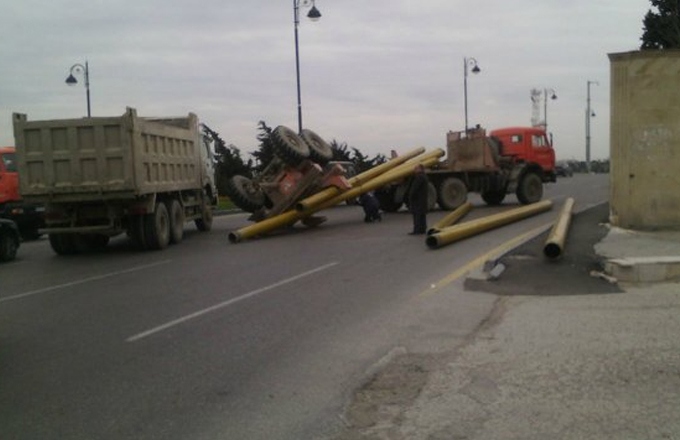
[645, 139]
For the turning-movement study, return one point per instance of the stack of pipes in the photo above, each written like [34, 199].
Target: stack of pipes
[393, 170]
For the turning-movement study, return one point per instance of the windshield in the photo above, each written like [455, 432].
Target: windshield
[9, 160]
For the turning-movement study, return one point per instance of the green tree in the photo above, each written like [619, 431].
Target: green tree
[228, 160]
[265, 154]
[341, 151]
[661, 25]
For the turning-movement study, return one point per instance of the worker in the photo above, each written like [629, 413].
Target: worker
[371, 207]
[417, 197]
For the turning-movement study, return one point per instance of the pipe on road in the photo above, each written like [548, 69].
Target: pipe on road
[474, 227]
[451, 218]
[554, 245]
[330, 192]
[292, 215]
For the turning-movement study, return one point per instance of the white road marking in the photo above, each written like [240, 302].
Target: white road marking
[227, 303]
[83, 281]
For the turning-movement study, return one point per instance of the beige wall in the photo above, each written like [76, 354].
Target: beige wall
[645, 139]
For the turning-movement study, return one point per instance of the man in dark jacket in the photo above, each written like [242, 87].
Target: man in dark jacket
[417, 197]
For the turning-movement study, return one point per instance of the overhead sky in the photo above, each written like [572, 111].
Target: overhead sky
[376, 74]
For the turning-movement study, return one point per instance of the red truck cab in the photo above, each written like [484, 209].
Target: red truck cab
[530, 145]
[28, 217]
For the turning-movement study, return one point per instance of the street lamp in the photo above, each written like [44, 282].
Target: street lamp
[72, 81]
[313, 15]
[468, 62]
[589, 113]
[545, 105]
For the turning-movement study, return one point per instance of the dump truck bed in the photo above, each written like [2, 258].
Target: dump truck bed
[106, 157]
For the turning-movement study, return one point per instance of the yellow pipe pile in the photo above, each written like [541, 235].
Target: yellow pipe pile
[474, 227]
[451, 218]
[388, 175]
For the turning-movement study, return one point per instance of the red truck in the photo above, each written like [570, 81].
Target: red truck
[28, 217]
[509, 160]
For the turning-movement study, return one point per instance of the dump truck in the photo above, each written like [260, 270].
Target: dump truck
[510, 160]
[28, 217]
[99, 177]
[301, 166]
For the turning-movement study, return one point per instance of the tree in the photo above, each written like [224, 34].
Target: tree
[341, 151]
[228, 160]
[661, 25]
[267, 150]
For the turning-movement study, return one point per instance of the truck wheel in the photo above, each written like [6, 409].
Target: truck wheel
[431, 196]
[176, 221]
[136, 232]
[387, 198]
[493, 198]
[157, 228]
[8, 248]
[452, 193]
[290, 147]
[530, 188]
[319, 150]
[63, 244]
[204, 224]
[245, 194]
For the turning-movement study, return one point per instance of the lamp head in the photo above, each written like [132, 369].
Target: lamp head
[476, 69]
[71, 80]
[554, 96]
[314, 14]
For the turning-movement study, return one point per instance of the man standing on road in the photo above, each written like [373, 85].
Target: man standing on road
[417, 197]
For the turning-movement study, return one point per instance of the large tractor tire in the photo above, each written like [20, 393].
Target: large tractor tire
[289, 146]
[245, 194]
[319, 150]
[452, 193]
[530, 188]
[157, 228]
[176, 213]
[493, 197]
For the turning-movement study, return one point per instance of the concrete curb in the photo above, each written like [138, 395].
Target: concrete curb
[644, 269]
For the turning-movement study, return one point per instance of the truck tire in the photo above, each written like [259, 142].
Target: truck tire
[493, 197]
[176, 213]
[136, 232]
[530, 188]
[204, 224]
[319, 150]
[63, 244]
[387, 198]
[157, 228]
[245, 194]
[452, 193]
[431, 196]
[8, 248]
[289, 146]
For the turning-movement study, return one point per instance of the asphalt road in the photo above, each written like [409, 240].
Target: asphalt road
[258, 340]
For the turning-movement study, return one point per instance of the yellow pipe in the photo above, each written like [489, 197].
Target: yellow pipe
[291, 216]
[397, 173]
[558, 234]
[411, 163]
[450, 218]
[332, 191]
[474, 227]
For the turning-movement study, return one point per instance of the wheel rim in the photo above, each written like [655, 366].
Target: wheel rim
[452, 193]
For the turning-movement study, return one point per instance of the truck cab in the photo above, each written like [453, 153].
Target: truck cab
[28, 217]
[530, 145]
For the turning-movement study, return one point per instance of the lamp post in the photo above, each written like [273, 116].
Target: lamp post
[589, 113]
[545, 105]
[72, 81]
[313, 15]
[468, 62]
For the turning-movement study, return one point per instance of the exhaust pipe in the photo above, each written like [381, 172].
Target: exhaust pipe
[554, 245]
[450, 218]
[474, 227]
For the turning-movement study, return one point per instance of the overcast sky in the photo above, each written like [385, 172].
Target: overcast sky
[376, 74]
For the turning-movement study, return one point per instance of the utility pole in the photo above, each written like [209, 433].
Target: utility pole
[589, 113]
